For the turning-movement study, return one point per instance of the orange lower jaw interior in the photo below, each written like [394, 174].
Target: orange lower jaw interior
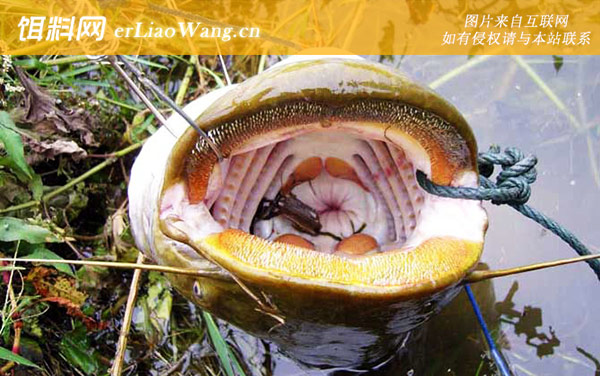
[435, 264]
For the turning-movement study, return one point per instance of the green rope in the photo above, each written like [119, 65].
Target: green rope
[512, 187]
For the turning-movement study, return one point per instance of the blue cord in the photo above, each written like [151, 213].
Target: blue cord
[496, 355]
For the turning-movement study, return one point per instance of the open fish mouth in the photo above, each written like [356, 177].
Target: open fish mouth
[312, 231]
[317, 187]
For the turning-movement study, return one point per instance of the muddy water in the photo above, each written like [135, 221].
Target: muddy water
[543, 321]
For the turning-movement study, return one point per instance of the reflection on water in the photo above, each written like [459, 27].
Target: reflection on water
[526, 323]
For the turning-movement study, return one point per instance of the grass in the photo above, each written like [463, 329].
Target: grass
[97, 89]
[228, 360]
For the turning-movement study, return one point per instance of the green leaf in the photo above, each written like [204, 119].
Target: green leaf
[36, 187]
[218, 79]
[226, 357]
[146, 62]
[30, 63]
[558, 62]
[13, 145]
[43, 253]
[12, 229]
[12, 357]
[75, 347]
[15, 155]
[154, 309]
[82, 82]
[74, 72]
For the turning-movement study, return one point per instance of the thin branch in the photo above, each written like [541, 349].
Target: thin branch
[75, 181]
[17, 323]
[129, 265]
[185, 82]
[117, 366]
[482, 275]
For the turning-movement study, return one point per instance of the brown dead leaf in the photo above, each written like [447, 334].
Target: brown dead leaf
[37, 274]
[49, 117]
[62, 290]
[117, 226]
[49, 283]
[43, 150]
[73, 310]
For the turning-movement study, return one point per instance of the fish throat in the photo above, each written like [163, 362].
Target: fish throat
[325, 190]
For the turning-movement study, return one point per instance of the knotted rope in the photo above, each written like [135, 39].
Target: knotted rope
[512, 187]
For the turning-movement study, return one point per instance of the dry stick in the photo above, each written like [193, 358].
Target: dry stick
[11, 294]
[129, 265]
[77, 180]
[482, 275]
[122, 344]
[17, 324]
[475, 276]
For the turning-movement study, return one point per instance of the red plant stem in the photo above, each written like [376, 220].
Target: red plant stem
[18, 326]
[5, 274]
